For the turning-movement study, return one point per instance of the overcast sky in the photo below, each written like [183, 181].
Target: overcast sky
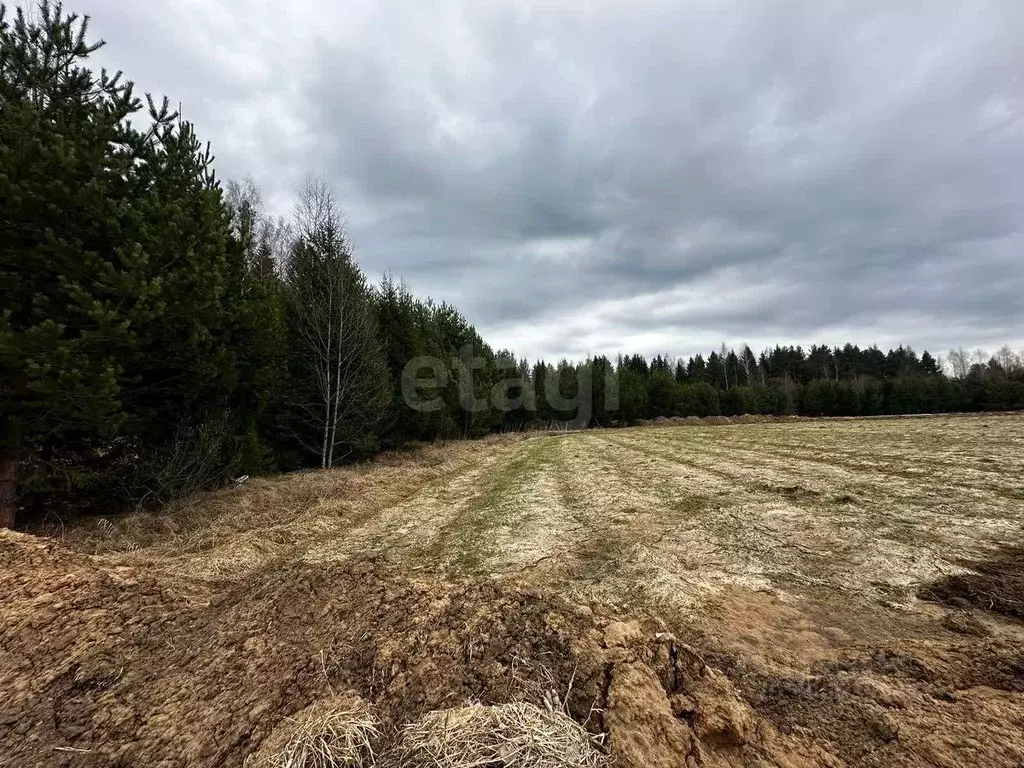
[594, 177]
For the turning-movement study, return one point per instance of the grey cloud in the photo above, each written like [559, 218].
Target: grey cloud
[791, 170]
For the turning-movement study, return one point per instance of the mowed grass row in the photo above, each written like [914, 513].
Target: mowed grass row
[805, 508]
[834, 510]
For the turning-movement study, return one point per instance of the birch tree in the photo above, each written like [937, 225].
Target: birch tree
[960, 362]
[1007, 359]
[748, 363]
[337, 329]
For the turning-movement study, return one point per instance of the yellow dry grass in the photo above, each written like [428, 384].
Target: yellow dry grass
[516, 735]
[232, 531]
[847, 516]
[338, 733]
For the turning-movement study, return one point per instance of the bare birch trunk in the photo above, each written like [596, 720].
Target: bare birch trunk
[337, 381]
[327, 369]
[337, 330]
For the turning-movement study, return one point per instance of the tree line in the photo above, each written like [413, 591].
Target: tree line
[161, 332]
[789, 380]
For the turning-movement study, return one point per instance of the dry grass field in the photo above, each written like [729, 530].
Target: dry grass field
[787, 560]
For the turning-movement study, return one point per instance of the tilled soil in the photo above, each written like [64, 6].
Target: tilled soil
[109, 667]
[113, 666]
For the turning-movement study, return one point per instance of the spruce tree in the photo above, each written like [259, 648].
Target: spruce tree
[260, 334]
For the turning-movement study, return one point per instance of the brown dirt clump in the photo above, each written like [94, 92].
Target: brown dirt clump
[965, 623]
[111, 666]
[926, 704]
[664, 706]
[935, 691]
[996, 585]
[751, 418]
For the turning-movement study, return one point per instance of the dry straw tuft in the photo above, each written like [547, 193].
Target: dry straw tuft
[517, 735]
[340, 738]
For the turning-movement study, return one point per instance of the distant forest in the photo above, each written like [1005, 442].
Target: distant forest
[161, 333]
[819, 381]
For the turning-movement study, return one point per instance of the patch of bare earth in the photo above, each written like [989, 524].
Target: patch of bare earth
[822, 592]
[113, 666]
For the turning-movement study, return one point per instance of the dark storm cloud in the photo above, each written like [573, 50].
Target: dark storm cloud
[654, 175]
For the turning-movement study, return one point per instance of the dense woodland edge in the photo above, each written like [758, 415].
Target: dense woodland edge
[160, 332]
